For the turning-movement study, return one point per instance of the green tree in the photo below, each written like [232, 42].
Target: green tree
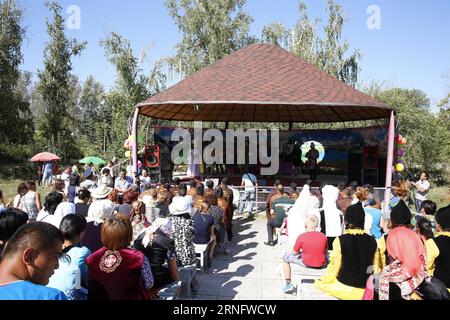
[132, 86]
[210, 30]
[277, 34]
[418, 125]
[328, 53]
[15, 115]
[55, 84]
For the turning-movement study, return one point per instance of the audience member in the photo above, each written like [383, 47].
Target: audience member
[157, 244]
[116, 272]
[47, 214]
[29, 260]
[82, 207]
[98, 212]
[310, 251]
[204, 229]
[11, 219]
[352, 256]
[71, 275]
[31, 201]
[183, 230]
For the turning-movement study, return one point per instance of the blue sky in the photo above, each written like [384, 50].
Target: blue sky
[411, 50]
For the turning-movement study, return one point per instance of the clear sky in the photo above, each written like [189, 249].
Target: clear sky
[411, 49]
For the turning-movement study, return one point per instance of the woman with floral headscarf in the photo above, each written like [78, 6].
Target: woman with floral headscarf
[400, 279]
[158, 246]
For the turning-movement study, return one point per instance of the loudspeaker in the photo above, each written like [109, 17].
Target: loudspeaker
[355, 167]
[151, 156]
[370, 176]
[370, 157]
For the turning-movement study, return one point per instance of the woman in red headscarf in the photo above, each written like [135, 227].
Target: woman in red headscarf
[400, 279]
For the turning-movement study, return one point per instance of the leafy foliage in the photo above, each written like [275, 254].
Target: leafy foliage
[15, 115]
[54, 124]
[210, 30]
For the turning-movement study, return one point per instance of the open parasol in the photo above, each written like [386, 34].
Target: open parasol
[44, 156]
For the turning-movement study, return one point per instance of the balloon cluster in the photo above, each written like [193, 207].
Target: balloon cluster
[129, 145]
[401, 141]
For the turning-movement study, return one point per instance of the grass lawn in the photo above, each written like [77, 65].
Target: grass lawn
[9, 189]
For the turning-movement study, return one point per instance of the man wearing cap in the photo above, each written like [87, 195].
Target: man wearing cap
[351, 259]
[88, 177]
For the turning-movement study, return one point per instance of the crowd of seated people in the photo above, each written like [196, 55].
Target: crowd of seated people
[85, 250]
[111, 243]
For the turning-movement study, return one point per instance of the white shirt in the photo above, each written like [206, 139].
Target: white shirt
[44, 216]
[422, 195]
[16, 201]
[145, 180]
[65, 178]
[249, 185]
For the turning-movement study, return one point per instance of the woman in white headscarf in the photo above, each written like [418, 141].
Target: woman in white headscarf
[98, 212]
[333, 216]
[303, 206]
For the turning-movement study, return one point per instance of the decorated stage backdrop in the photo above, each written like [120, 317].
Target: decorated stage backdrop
[335, 146]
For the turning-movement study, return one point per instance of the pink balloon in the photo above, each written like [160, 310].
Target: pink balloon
[139, 164]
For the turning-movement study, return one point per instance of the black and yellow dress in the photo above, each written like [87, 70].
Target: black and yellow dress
[438, 257]
[381, 255]
[350, 265]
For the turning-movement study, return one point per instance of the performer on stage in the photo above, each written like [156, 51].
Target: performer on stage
[312, 155]
[297, 158]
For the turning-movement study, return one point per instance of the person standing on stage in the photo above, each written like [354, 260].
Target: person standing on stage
[423, 188]
[312, 155]
[297, 158]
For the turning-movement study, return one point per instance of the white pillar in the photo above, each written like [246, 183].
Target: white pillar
[389, 161]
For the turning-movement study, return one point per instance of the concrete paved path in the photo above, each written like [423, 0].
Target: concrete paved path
[252, 270]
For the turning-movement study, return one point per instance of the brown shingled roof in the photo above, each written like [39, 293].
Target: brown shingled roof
[263, 83]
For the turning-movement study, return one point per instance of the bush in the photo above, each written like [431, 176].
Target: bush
[15, 153]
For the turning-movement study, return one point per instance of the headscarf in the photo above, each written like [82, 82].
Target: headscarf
[355, 215]
[406, 246]
[163, 224]
[99, 211]
[333, 223]
[400, 214]
[407, 270]
[302, 207]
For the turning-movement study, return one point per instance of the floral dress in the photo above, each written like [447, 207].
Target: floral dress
[183, 233]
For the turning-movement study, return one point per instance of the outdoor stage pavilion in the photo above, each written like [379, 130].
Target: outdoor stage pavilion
[265, 83]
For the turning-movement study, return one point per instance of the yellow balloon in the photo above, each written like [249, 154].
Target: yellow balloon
[127, 154]
[399, 167]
